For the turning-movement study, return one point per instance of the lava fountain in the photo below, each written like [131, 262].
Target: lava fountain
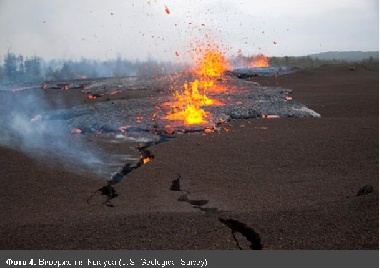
[209, 65]
[259, 61]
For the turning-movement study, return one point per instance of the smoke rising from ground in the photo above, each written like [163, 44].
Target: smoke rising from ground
[23, 129]
[19, 69]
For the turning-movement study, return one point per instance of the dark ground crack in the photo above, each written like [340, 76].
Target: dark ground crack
[176, 184]
[367, 189]
[196, 203]
[235, 226]
[250, 234]
[108, 190]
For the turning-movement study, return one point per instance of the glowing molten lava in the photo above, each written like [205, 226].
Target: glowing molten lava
[91, 97]
[209, 65]
[192, 95]
[190, 115]
[212, 64]
[188, 105]
[259, 61]
[146, 157]
[146, 160]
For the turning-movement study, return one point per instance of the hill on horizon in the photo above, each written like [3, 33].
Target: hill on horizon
[346, 55]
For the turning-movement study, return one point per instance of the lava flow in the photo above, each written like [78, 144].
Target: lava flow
[259, 61]
[190, 115]
[210, 65]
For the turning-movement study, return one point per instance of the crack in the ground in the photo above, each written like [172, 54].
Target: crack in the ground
[118, 177]
[234, 225]
[250, 234]
[108, 190]
[367, 189]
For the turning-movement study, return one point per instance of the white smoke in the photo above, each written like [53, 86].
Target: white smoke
[23, 128]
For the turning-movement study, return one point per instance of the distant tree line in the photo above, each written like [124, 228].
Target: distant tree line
[17, 69]
[308, 61]
[294, 61]
[305, 61]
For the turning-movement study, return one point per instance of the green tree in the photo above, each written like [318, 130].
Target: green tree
[66, 72]
[10, 66]
[33, 69]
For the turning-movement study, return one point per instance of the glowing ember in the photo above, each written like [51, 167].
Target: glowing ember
[146, 157]
[76, 131]
[167, 10]
[260, 61]
[146, 160]
[114, 92]
[94, 96]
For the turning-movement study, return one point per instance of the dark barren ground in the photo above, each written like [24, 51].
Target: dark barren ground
[292, 182]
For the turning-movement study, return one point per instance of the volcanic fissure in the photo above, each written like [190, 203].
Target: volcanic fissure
[234, 225]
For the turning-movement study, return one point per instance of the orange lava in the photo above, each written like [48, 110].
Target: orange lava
[259, 61]
[190, 115]
[209, 64]
[212, 63]
[91, 97]
[192, 95]
[146, 160]
[114, 92]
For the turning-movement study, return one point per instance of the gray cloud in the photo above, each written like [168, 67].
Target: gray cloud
[139, 29]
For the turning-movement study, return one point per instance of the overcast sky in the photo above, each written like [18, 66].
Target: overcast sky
[138, 29]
